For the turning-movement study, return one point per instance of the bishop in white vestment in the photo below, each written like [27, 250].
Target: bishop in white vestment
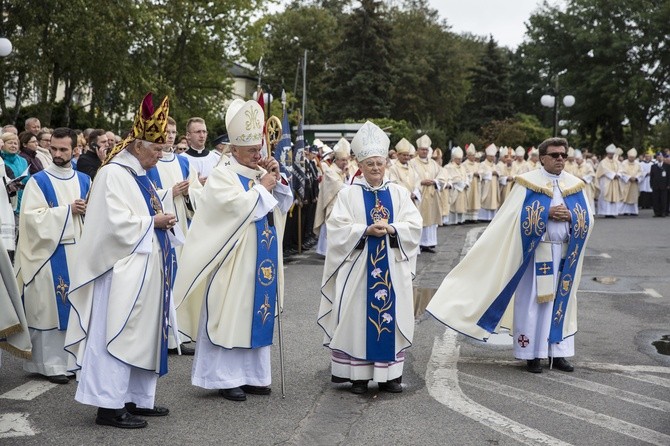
[230, 281]
[366, 306]
[120, 290]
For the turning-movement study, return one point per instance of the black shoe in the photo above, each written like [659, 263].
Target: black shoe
[391, 387]
[534, 365]
[234, 394]
[562, 364]
[359, 387]
[59, 379]
[119, 418]
[157, 411]
[256, 390]
[186, 350]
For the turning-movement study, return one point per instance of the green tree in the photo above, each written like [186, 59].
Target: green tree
[611, 56]
[360, 81]
[489, 95]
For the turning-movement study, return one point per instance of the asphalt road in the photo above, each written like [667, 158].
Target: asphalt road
[456, 391]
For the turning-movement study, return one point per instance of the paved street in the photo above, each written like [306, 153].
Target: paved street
[457, 391]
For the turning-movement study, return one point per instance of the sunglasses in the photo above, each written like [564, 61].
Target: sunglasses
[556, 155]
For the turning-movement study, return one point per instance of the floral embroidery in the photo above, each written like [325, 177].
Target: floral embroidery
[382, 294]
[61, 289]
[264, 310]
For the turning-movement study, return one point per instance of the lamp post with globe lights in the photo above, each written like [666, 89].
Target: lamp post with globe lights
[5, 47]
[551, 101]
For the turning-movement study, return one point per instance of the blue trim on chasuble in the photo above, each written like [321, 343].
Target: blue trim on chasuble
[58, 261]
[532, 224]
[155, 207]
[380, 324]
[184, 165]
[579, 229]
[265, 290]
[155, 177]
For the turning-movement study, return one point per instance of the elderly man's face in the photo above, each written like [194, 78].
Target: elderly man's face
[248, 156]
[422, 152]
[147, 153]
[34, 127]
[342, 163]
[404, 158]
[554, 160]
[373, 169]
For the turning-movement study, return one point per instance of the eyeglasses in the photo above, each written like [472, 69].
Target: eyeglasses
[45, 140]
[556, 155]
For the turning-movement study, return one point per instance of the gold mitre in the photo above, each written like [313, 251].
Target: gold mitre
[150, 125]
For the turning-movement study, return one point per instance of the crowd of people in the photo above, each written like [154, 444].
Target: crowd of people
[188, 243]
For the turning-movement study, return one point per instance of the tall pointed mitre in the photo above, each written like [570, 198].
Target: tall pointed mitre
[369, 141]
[342, 149]
[491, 150]
[520, 151]
[244, 122]
[424, 142]
[457, 152]
[610, 149]
[150, 125]
[404, 146]
[470, 149]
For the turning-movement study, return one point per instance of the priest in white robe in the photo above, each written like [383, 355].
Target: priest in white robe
[51, 219]
[367, 309]
[490, 185]
[431, 184]
[524, 271]
[402, 174]
[335, 178]
[120, 290]
[607, 175]
[178, 188]
[230, 281]
[473, 193]
[587, 174]
[630, 177]
[458, 186]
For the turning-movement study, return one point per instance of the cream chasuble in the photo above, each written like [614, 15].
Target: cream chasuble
[630, 190]
[474, 197]
[430, 205]
[404, 175]
[610, 192]
[334, 179]
[118, 239]
[217, 267]
[458, 178]
[490, 186]
[344, 293]
[587, 174]
[53, 226]
[476, 294]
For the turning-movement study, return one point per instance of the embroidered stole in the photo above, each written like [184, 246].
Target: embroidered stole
[265, 290]
[58, 260]
[380, 326]
[154, 206]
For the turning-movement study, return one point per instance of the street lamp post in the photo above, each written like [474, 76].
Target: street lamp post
[551, 101]
[5, 47]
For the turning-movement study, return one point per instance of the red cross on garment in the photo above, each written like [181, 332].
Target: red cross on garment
[523, 341]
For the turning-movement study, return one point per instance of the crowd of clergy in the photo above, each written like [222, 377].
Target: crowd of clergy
[228, 190]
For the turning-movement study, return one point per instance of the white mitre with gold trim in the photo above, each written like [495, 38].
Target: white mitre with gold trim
[244, 122]
[369, 141]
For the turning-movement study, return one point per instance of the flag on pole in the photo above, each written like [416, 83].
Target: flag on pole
[283, 148]
[299, 164]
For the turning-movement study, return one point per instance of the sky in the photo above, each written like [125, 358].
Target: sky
[504, 19]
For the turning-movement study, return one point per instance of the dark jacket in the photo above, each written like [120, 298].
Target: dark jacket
[656, 178]
[89, 163]
[34, 163]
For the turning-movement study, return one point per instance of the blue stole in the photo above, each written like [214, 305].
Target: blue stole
[265, 291]
[380, 327]
[154, 206]
[533, 225]
[579, 228]
[58, 260]
[156, 181]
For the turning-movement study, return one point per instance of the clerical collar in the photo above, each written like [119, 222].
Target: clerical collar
[423, 160]
[167, 157]
[361, 181]
[62, 173]
[197, 153]
[551, 176]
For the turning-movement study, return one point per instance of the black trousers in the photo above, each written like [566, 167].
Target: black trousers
[659, 200]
